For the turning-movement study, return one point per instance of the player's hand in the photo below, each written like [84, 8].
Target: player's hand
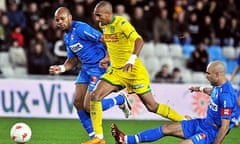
[194, 89]
[128, 67]
[104, 63]
[129, 64]
[54, 69]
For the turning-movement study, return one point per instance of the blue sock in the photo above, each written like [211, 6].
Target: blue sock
[119, 99]
[131, 139]
[86, 122]
[149, 135]
[109, 102]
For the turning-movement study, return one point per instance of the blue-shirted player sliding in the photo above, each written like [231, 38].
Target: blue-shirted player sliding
[210, 130]
[83, 43]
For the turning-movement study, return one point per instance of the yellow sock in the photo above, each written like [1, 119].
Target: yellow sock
[167, 112]
[96, 117]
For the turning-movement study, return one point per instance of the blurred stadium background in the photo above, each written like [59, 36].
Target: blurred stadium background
[173, 30]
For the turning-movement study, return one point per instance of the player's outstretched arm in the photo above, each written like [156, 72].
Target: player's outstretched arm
[68, 65]
[205, 90]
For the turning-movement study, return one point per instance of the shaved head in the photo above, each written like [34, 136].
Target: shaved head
[63, 18]
[216, 73]
[103, 12]
[217, 66]
[61, 10]
[105, 6]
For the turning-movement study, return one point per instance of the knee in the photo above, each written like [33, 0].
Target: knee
[87, 107]
[95, 96]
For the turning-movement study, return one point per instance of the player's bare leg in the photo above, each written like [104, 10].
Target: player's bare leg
[149, 135]
[160, 109]
[83, 114]
[103, 89]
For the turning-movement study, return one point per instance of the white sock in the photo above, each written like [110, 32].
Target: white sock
[114, 101]
[91, 134]
[99, 136]
[136, 138]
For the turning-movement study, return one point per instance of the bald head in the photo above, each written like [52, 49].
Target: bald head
[61, 10]
[63, 18]
[105, 6]
[217, 66]
[216, 73]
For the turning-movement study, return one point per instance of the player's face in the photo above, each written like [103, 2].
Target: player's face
[63, 20]
[212, 76]
[101, 16]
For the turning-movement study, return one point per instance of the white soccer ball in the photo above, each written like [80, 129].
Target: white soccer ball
[20, 133]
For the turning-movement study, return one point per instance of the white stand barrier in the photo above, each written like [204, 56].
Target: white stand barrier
[54, 99]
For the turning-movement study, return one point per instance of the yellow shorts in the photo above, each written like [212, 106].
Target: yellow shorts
[136, 81]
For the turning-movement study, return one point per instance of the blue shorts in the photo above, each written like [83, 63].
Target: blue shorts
[199, 131]
[90, 76]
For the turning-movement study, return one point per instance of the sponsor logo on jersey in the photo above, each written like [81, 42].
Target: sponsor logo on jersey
[76, 47]
[213, 106]
[111, 37]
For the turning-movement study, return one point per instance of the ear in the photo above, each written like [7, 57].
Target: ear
[70, 17]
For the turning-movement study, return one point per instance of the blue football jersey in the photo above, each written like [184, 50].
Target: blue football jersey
[223, 104]
[83, 41]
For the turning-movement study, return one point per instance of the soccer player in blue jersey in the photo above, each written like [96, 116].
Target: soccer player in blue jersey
[83, 43]
[235, 72]
[210, 130]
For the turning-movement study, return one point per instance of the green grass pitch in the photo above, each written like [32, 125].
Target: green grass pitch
[65, 131]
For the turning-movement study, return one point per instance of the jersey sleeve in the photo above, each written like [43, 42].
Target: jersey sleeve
[227, 105]
[86, 32]
[129, 30]
[70, 54]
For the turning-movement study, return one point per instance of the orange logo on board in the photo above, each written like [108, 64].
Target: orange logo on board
[200, 103]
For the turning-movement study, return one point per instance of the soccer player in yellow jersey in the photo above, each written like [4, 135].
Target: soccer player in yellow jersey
[126, 70]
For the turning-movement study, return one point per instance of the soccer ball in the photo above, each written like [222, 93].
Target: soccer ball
[20, 133]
